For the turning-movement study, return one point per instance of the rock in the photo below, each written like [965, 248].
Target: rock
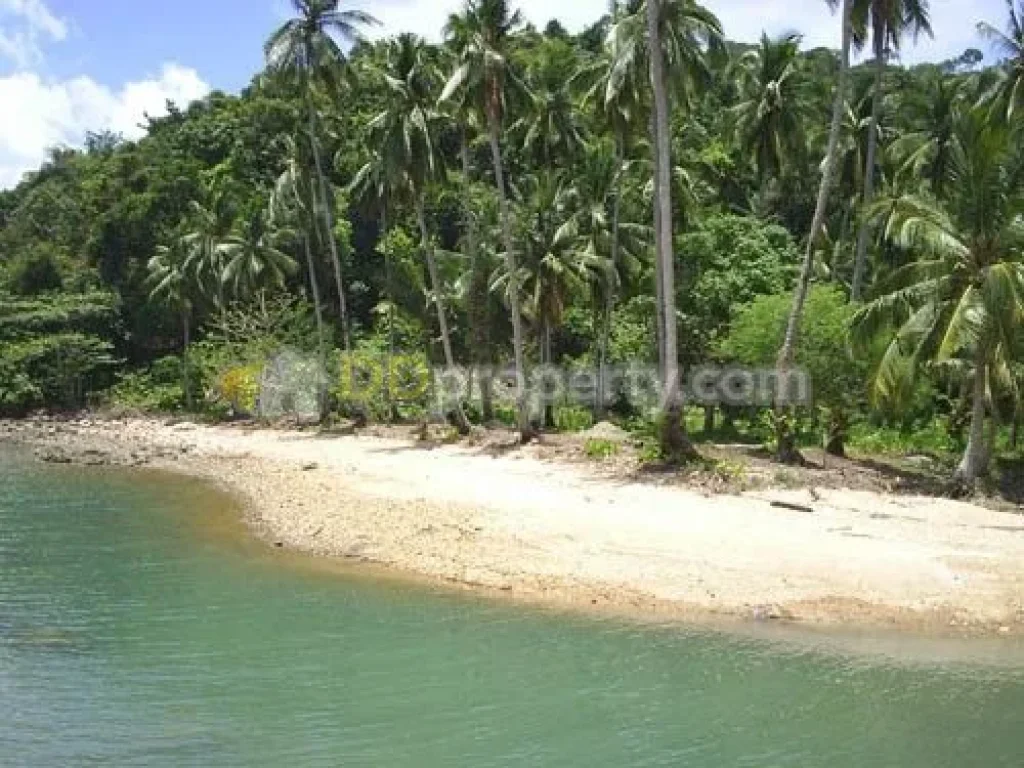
[770, 612]
[52, 455]
[920, 460]
[605, 430]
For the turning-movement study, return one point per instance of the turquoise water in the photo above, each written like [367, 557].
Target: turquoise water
[137, 627]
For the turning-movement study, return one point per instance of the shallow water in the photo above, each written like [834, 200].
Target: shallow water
[139, 627]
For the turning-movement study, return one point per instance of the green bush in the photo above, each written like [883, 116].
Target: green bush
[932, 437]
[597, 448]
[35, 272]
[157, 388]
[359, 384]
[573, 418]
[57, 370]
[823, 344]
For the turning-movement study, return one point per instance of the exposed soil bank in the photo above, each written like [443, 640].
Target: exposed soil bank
[536, 529]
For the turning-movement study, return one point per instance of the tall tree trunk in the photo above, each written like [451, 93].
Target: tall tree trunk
[186, 382]
[478, 290]
[328, 222]
[314, 286]
[786, 442]
[389, 291]
[974, 463]
[442, 321]
[864, 231]
[659, 291]
[609, 294]
[546, 352]
[522, 405]
[675, 444]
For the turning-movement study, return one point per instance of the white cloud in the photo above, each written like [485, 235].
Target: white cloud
[24, 26]
[40, 114]
[954, 21]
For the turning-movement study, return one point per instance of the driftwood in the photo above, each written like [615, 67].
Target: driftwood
[794, 507]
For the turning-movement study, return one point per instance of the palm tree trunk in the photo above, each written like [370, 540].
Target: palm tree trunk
[185, 373]
[974, 463]
[549, 407]
[314, 286]
[675, 444]
[786, 442]
[522, 406]
[609, 294]
[328, 220]
[658, 289]
[864, 231]
[442, 321]
[477, 290]
[390, 296]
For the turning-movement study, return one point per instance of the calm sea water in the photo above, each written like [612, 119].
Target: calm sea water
[138, 627]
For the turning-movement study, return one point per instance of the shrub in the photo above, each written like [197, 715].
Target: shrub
[55, 370]
[240, 387]
[597, 448]
[156, 388]
[573, 419]
[37, 271]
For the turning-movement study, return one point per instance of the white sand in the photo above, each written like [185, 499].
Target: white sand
[543, 530]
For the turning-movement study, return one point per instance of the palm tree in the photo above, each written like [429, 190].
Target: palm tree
[252, 259]
[963, 299]
[306, 49]
[1008, 97]
[769, 119]
[551, 128]
[481, 36]
[551, 268]
[174, 281]
[888, 21]
[786, 446]
[924, 152]
[609, 248]
[461, 112]
[291, 208]
[208, 226]
[615, 93]
[678, 31]
[407, 134]
[378, 183]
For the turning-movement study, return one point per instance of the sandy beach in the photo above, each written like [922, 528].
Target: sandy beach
[534, 529]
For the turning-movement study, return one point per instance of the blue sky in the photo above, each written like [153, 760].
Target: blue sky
[71, 65]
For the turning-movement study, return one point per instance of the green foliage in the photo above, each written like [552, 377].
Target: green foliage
[52, 350]
[240, 388]
[599, 449]
[215, 236]
[930, 438]
[573, 419]
[25, 318]
[634, 331]
[362, 384]
[55, 370]
[36, 271]
[156, 389]
[726, 263]
[823, 347]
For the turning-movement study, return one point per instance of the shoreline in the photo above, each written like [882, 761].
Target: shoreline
[519, 527]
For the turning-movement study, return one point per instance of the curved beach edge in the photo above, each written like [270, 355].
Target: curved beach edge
[544, 531]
